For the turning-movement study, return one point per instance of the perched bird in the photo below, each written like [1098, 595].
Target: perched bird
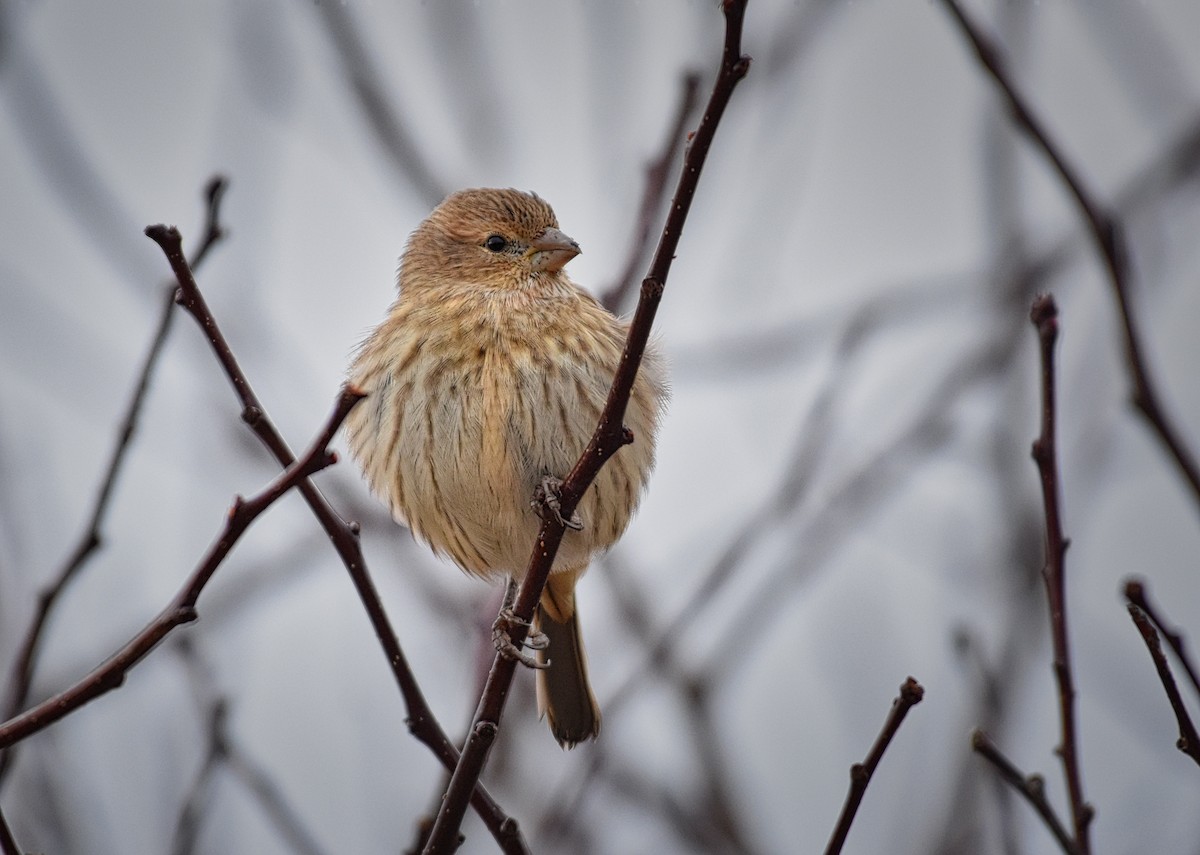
[485, 382]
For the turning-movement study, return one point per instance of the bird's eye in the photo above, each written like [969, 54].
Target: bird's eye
[496, 243]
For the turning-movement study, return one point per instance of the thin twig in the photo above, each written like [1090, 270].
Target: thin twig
[1135, 593]
[1033, 788]
[910, 695]
[609, 437]
[111, 674]
[92, 537]
[1189, 739]
[344, 536]
[655, 190]
[1107, 231]
[1044, 316]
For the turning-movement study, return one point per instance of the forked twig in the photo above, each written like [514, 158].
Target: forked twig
[92, 536]
[182, 609]
[609, 437]
[344, 536]
[911, 693]
[1189, 739]
[1031, 787]
[1135, 593]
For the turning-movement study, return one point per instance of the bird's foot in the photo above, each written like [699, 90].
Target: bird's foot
[547, 499]
[502, 639]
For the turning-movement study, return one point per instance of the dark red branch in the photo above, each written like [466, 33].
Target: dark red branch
[92, 537]
[344, 537]
[609, 437]
[911, 693]
[1189, 739]
[111, 674]
[1045, 318]
[1032, 788]
[1135, 593]
[1109, 236]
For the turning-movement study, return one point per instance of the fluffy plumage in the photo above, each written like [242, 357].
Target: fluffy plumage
[488, 374]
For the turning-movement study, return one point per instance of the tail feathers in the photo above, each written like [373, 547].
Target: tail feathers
[564, 697]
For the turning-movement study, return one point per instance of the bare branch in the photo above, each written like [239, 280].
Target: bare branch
[92, 537]
[344, 536]
[1189, 739]
[609, 437]
[1107, 231]
[1135, 593]
[911, 693]
[111, 674]
[1033, 788]
[1045, 318]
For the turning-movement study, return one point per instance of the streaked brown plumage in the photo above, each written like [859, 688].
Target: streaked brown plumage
[488, 374]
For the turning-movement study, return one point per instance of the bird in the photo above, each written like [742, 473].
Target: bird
[485, 381]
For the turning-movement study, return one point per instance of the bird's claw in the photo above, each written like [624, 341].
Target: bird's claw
[502, 639]
[547, 499]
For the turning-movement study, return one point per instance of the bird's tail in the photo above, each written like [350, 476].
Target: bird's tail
[564, 696]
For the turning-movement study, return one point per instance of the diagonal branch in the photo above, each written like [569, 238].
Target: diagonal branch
[1045, 318]
[344, 536]
[1135, 593]
[1107, 231]
[1189, 739]
[609, 437]
[92, 537]
[1032, 787]
[111, 674]
[911, 693]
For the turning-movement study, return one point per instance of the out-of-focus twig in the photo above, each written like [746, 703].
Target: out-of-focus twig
[344, 537]
[910, 695]
[92, 537]
[1109, 235]
[385, 123]
[1044, 316]
[610, 436]
[111, 674]
[1032, 788]
[8, 843]
[1189, 739]
[655, 189]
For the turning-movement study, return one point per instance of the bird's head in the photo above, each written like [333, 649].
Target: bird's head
[498, 238]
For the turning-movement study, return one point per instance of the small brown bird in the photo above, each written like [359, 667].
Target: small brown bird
[486, 381]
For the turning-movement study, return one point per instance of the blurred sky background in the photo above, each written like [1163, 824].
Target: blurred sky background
[844, 495]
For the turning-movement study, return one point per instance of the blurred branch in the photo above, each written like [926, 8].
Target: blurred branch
[8, 843]
[609, 437]
[182, 609]
[223, 751]
[910, 695]
[1135, 593]
[1189, 739]
[1033, 788]
[1044, 316]
[1109, 235]
[344, 536]
[92, 537]
[653, 193]
[376, 106]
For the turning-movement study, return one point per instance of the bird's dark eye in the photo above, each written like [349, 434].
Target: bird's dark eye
[496, 243]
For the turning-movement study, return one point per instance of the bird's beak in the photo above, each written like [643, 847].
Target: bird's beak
[551, 250]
